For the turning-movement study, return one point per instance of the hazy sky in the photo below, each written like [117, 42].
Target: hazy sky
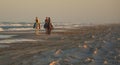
[60, 10]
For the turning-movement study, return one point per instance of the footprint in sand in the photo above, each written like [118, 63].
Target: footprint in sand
[54, 63]
[58, 52]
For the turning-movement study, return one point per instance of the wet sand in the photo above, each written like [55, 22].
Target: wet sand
[89, 45]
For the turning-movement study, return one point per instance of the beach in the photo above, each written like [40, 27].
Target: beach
[86, 45]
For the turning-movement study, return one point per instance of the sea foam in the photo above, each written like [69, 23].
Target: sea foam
[15, 40]
[6, 36]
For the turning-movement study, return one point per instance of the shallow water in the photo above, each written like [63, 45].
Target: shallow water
[6, 36]
[15, 40]
[4, 46]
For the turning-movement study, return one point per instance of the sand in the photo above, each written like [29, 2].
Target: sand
[89, 45]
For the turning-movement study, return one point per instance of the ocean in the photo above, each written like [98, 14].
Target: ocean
[24, 26]
[28, 26]
[12, 26]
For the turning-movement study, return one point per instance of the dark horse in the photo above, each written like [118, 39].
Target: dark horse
[48, 25]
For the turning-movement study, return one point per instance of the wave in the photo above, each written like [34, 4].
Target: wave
[68, 26]
[16, 40]
[6, 36]
[29, 26]
[17, 29]
[16, 24]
